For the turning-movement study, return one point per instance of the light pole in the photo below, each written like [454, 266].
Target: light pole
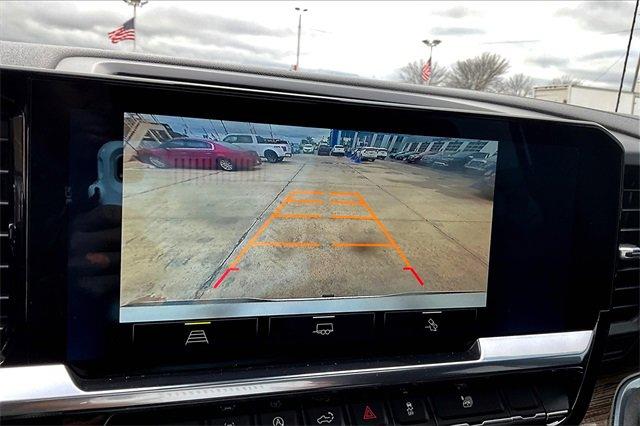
[431, 44]
[135, 4]
[300, 12]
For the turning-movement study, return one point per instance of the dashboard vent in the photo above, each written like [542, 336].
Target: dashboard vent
[6, 213]
[626, 293]
[623, 334]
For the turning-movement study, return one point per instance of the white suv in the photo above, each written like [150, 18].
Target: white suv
[337, 150]
[273, 152]
[367, 153]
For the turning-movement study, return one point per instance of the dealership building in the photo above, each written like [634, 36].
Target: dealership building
[394, 142]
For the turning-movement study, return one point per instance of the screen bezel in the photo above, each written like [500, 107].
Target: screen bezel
[563, 307]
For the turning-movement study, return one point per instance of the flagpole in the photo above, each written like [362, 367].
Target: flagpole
[431, 44]
[135, 8]
[430, 63]
[135, 4]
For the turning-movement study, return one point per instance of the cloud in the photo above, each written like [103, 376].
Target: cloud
[456, 12]
[167, 19]
[610, 79]
[547, 61]
[55, 23]
[601, 16]
[162, 30]
[603, 54]
[455, 31]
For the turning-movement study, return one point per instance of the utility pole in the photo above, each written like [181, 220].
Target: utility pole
[135, 4]
[431, 44]
[626, 57]
[300, 12]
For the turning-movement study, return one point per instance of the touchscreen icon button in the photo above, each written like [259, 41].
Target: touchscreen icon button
[431, 325]
[324, 329]
[196, 336]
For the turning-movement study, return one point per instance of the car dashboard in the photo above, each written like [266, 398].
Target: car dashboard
[176, 253]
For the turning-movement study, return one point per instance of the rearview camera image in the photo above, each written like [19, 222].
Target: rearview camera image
[219, 214]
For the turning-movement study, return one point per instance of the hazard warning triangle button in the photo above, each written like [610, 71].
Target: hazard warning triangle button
[368, 413]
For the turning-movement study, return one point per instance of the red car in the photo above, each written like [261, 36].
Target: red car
[194, 153]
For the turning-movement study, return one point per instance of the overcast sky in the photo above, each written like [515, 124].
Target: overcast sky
[371, 39]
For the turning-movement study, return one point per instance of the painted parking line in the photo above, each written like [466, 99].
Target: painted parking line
[353, 198]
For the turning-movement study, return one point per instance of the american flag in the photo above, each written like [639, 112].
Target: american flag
[125, 32]
[426, 70]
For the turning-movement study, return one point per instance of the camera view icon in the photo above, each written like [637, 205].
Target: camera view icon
[196, 336]
[467, 401]
[326, 418]
[323, 328]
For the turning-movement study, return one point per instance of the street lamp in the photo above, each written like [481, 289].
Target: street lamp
[431, 44]
[300, 12]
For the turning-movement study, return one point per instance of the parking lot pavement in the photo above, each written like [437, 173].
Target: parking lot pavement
[307, 227]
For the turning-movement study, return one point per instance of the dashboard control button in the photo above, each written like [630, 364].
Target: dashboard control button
[431, 324]
[408, 411]
[462, 402]
[322, 329]
[368, 413]
[192, 337]
[244, 420]
[280, 418]
[329, 415]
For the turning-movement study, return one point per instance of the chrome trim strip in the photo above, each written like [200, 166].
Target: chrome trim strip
[48, 389]
[251, 309]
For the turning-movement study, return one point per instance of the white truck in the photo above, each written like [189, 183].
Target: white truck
[272, 152]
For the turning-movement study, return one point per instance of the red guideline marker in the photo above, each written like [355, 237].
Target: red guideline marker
[415, 274]
[224, 275]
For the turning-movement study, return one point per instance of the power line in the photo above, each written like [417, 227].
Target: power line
[626, 57]
[609, 69]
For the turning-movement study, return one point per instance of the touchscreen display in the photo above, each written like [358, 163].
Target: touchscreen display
[226, 218]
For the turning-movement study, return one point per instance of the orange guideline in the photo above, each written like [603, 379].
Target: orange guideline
[290, 199]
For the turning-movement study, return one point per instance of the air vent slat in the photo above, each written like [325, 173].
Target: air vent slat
[626, 295]
[6, 214]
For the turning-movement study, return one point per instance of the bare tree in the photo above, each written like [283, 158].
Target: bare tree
[479, 73]
[517, 84]
[412, 73]
[566, 79]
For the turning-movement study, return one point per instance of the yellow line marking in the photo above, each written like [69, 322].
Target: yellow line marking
[385, 231]
[308, 201]
[298, 216]
[198, 323]
[259, 232]
[344, 194]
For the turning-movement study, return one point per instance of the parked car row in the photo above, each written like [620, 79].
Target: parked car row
[474, 161]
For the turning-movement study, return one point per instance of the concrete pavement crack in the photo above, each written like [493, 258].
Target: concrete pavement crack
[437, 228]
[223, 265]
[171, 184]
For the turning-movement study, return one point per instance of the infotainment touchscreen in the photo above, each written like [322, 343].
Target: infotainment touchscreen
[229, 219]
